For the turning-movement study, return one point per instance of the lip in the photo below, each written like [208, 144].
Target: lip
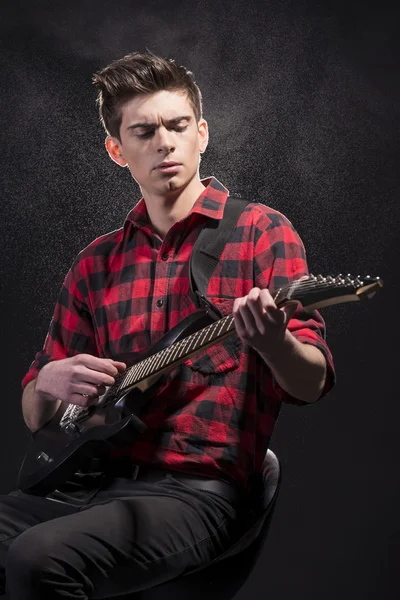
[168, 167]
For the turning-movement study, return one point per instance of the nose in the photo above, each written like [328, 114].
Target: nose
[165, 141]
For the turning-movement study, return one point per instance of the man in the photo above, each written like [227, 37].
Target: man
[211, 419]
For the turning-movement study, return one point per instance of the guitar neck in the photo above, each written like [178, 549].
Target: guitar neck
[177, 353]
[313, 292]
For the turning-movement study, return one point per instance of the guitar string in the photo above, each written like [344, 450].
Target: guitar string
[145, 366]
[140, 370]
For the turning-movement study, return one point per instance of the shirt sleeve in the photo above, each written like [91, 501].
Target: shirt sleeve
[71, 329]
[280, 258]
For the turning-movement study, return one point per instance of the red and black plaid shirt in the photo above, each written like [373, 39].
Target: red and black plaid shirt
[215, 414]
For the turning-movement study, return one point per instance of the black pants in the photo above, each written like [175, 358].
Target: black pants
[114, 536]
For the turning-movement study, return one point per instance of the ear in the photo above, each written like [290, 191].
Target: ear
[114, 149]
[203, 135]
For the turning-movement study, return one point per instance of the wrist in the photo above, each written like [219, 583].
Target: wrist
[40, 386]
[281, 349]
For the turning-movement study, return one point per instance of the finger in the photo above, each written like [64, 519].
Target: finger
[86, 389]
[103, 365]
[262, 307]
[281, 315]
[82, 400]
[121, 366]
[101, 389]
[238, 318]
[290, 309]
[84, 374]
[248, 318]
[275, 316]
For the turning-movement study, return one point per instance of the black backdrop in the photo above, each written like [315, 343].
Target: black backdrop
[302, 101]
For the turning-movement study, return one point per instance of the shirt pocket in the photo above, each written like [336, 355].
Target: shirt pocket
[223, 356]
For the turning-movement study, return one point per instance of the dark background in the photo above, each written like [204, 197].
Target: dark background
[302, 101]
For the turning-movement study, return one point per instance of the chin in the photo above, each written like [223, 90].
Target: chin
[176, 183]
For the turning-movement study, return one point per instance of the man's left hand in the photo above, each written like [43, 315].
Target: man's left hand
[259, 322]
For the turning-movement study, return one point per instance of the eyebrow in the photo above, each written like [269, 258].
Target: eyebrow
[154, 126]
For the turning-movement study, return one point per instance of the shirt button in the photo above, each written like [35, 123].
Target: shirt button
[165, 256]
[159, 302]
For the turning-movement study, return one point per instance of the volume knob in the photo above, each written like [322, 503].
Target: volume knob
[71, 428]
[43, 458]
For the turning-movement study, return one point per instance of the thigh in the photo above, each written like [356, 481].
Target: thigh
[134, 536]
[18, 513]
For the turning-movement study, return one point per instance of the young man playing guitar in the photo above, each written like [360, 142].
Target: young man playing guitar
[211, 418]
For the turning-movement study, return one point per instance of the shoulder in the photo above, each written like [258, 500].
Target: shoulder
[103, 245]
[100, 252]
[263, 218]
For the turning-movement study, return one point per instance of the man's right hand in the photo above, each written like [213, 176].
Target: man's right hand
[78, 380]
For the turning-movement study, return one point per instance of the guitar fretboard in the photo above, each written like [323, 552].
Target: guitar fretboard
[179, 350]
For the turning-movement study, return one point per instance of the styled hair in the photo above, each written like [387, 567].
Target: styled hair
[139, 74]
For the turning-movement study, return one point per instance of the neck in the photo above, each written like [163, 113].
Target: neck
[165, 210]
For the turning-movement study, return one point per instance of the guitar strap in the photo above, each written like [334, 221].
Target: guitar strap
[208, 248]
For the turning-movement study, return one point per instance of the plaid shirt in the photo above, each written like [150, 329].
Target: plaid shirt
[213, 415]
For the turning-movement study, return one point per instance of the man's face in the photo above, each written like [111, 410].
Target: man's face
[160, 142]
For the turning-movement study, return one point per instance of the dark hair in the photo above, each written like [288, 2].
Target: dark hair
[137, 74]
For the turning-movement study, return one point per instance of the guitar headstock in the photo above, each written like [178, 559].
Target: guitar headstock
[318, 291]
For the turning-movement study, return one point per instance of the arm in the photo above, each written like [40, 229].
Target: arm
[37, 408]
[290, 341]
[300, 369]
[78, 380]
[67, 368]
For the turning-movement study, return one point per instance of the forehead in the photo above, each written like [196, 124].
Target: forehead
[163, 105]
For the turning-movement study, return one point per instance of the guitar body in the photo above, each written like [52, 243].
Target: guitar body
[57, 452]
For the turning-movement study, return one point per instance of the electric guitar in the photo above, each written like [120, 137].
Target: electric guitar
[77, 433]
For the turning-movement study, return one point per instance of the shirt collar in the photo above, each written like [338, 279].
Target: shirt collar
[210, 203]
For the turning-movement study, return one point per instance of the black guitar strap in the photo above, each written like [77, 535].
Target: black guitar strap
[208, 248]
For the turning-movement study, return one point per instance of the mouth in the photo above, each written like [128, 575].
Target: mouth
[168, 167]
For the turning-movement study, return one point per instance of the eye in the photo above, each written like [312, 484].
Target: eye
[180, 128]
[145, 135]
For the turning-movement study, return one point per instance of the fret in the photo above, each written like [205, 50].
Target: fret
[182, 348]
[191, 339]
[141, 368]
[164, 354]
[148, 367]
[175, 352]
[158, 358]
[130, 376]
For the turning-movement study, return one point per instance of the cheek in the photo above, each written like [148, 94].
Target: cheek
[137, 161]
[193, 146]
